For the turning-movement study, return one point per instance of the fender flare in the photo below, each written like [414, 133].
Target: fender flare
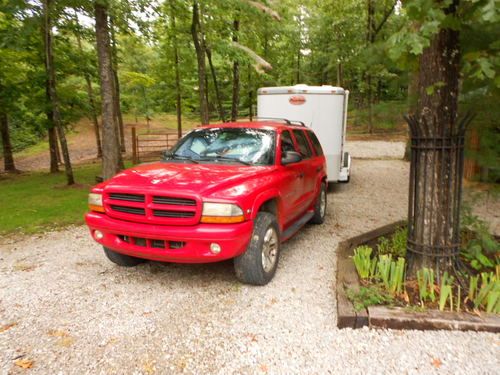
[264, 197]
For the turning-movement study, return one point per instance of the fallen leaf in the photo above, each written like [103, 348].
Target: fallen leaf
[436, 362]
[149, 367]
[57, 333]
[264, 368]
[24, 363]
[25, 267]
[7, 326]
[66, 341]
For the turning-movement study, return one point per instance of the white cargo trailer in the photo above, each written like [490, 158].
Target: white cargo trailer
[322, 108]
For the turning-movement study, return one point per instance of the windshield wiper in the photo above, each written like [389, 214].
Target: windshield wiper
[181, 157]
[225, 158]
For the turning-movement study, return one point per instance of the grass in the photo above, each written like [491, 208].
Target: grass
[33, 202]
[387, 117]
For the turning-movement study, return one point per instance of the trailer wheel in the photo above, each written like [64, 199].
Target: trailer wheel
[122, 259]
[320, 206]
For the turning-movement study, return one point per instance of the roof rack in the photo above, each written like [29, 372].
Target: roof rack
[287, 121]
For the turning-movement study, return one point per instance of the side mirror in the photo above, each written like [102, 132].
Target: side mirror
[167, 155]
[290, 157]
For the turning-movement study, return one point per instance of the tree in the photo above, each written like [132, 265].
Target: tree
[178, 92]
[8, 159]
[236, 75]
[111, 156]
[90, 91]
[52, 92]
[116, 85]
[437, 162]
[200, 49]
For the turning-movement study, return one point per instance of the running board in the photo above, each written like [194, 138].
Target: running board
[292, 229]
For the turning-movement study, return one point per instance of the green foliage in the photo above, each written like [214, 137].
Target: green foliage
[368, 296]
[395, 246]
[446, 291]
[363, 262]
[479, 247]
[391, 273]
[426, 287]
[487, 295]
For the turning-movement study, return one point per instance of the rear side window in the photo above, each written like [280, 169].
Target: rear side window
[286, 142]
[305, 149]
[315, 142]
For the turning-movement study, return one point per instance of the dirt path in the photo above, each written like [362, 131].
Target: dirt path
[71, 311]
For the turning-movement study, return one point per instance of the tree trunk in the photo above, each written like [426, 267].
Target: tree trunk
[339, 74]
[412, 104]
[8, 159]
[218, 98]
[116, 85]
[250, 94]
[178, 93]
[54, 101]
[111, 157]
[370, 37]
[434, 231]
[90, 94]
[200, 56]
[236, 76]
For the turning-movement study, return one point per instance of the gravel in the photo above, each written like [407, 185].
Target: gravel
[74, 312]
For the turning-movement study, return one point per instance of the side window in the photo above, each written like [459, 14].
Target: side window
[315, 142]
[304, 147]
[286, 142]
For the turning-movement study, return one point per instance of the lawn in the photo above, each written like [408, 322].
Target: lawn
[32, 202]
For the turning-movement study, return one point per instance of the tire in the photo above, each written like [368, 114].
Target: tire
[253, 266]
[320, 206]
[121, 259]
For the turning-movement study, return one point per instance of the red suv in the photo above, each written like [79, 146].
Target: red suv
[236, 190]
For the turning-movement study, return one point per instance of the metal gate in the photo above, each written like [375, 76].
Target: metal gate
[151, 146]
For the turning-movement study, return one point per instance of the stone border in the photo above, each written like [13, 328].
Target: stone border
[395, 318]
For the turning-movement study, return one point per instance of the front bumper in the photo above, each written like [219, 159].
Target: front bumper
[232, 238]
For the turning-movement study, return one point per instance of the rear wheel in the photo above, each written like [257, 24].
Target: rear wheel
[258, 264]
[320, 206]
[122, 259]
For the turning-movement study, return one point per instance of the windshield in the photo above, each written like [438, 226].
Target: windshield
[239, 145]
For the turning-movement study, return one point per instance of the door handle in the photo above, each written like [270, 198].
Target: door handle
[300, 175]
[318, 169]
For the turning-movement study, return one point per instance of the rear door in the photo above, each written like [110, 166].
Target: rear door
[292, 184]
[307, 166]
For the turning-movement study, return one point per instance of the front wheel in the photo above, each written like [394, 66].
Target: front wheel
[257, 265]
[320, 206]
[122, 259]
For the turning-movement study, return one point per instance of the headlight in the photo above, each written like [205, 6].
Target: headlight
[95, 202]
[221, 213]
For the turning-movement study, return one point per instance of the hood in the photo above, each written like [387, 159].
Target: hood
[200, 179]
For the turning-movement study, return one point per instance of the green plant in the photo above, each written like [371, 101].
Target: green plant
[384, 269]
[446, 291]
[383, 246]
[368, 296]
[391, 273]
[425, 280]
[395, 246]
[365, 265]
[488, 295]
[479, 247]
[398, 242]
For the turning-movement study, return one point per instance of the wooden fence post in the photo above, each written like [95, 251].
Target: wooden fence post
[134, 146]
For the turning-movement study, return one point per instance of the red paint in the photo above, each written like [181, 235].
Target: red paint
[247, 186]
[297, 99]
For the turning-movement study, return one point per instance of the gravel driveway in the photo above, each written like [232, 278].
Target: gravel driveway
[74, 312]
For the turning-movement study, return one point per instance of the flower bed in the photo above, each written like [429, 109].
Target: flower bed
[373, 288]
